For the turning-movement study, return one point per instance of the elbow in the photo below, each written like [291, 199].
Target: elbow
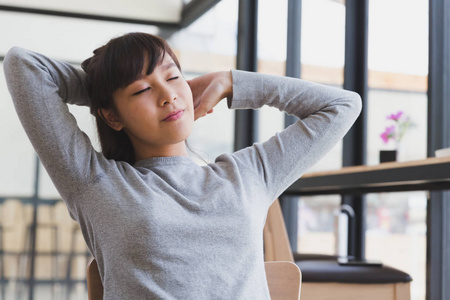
[13, 60]
[14, 54]
[355, 102]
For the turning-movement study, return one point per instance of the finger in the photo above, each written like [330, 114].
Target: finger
[197, 101]
[198, 114]
[201, 110]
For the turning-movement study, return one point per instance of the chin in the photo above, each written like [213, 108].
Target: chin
[179, 138]
[186, 131]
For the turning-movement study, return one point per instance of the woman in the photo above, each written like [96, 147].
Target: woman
[159, 225]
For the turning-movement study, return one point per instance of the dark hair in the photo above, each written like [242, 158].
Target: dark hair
[113, 66]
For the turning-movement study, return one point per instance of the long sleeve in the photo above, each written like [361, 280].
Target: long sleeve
[325, 115]
[41, 88]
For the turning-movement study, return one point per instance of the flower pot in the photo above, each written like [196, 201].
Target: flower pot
[388, 155]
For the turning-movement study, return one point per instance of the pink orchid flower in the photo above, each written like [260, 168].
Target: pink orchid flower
[388, 134]
[396, 116]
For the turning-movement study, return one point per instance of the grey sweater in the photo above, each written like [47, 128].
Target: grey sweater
[167, 228]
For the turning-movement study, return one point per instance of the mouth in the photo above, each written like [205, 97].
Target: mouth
[174, 115]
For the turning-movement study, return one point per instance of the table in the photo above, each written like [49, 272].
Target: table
[432, 174]
[427, 174]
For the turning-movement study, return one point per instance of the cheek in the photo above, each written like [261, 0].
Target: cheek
[137, 117]
[187, 93]
[120, 109]
[126, 115]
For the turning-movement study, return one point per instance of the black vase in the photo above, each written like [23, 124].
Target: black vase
[388, 155]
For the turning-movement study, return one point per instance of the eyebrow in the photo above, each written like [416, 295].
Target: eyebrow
[165, 66]
[168, 65]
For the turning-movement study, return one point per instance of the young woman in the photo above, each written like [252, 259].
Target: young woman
[159, 225]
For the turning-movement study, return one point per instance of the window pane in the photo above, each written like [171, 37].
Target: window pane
[383, 103]
[316, 224]
[271, 59]
[209, 45]
[323, 41]
[398, 68]
[396, 234]
[322, 58]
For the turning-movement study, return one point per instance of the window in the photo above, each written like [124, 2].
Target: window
[398, 69]
[209, 45]
[322, 61]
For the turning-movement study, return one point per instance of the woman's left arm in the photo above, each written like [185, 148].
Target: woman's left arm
[325, 115]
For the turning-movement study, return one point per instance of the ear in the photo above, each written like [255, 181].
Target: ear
[110, 118]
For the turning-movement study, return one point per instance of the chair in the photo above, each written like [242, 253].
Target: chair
[94, 282]
[284, 280]
[324, 278]
[276, 241]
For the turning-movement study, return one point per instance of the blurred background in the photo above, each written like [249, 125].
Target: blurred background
[398, 69]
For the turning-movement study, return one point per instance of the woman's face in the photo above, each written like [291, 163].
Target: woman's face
[156, 111]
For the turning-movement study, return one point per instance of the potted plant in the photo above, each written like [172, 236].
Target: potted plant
[399, 125]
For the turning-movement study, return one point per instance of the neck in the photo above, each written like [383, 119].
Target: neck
[178, 149]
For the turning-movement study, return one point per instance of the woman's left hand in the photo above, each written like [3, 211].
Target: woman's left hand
[208, 90]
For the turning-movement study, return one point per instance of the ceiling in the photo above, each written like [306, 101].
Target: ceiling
[166, 14]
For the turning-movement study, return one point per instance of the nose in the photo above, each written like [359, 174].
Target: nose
[167, 96]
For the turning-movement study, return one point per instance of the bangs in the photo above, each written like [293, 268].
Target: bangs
[124, 60]
[126, 63]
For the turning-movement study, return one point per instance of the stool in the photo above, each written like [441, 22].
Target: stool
[323, 278]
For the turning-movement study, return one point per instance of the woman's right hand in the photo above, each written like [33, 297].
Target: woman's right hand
[208, 90]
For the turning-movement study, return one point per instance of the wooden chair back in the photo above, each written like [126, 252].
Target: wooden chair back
[94, 282]
[284, 280]
[276, 241]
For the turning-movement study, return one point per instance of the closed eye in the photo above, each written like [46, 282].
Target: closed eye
[141, 91]
[173, 78]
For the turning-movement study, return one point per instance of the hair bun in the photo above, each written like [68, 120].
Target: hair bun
[85, 64]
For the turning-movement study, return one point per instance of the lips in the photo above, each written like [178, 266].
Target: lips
[174, 115]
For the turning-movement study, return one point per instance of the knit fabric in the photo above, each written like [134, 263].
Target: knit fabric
[166, 227]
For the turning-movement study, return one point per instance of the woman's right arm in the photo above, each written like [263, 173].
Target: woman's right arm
[41, 88]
